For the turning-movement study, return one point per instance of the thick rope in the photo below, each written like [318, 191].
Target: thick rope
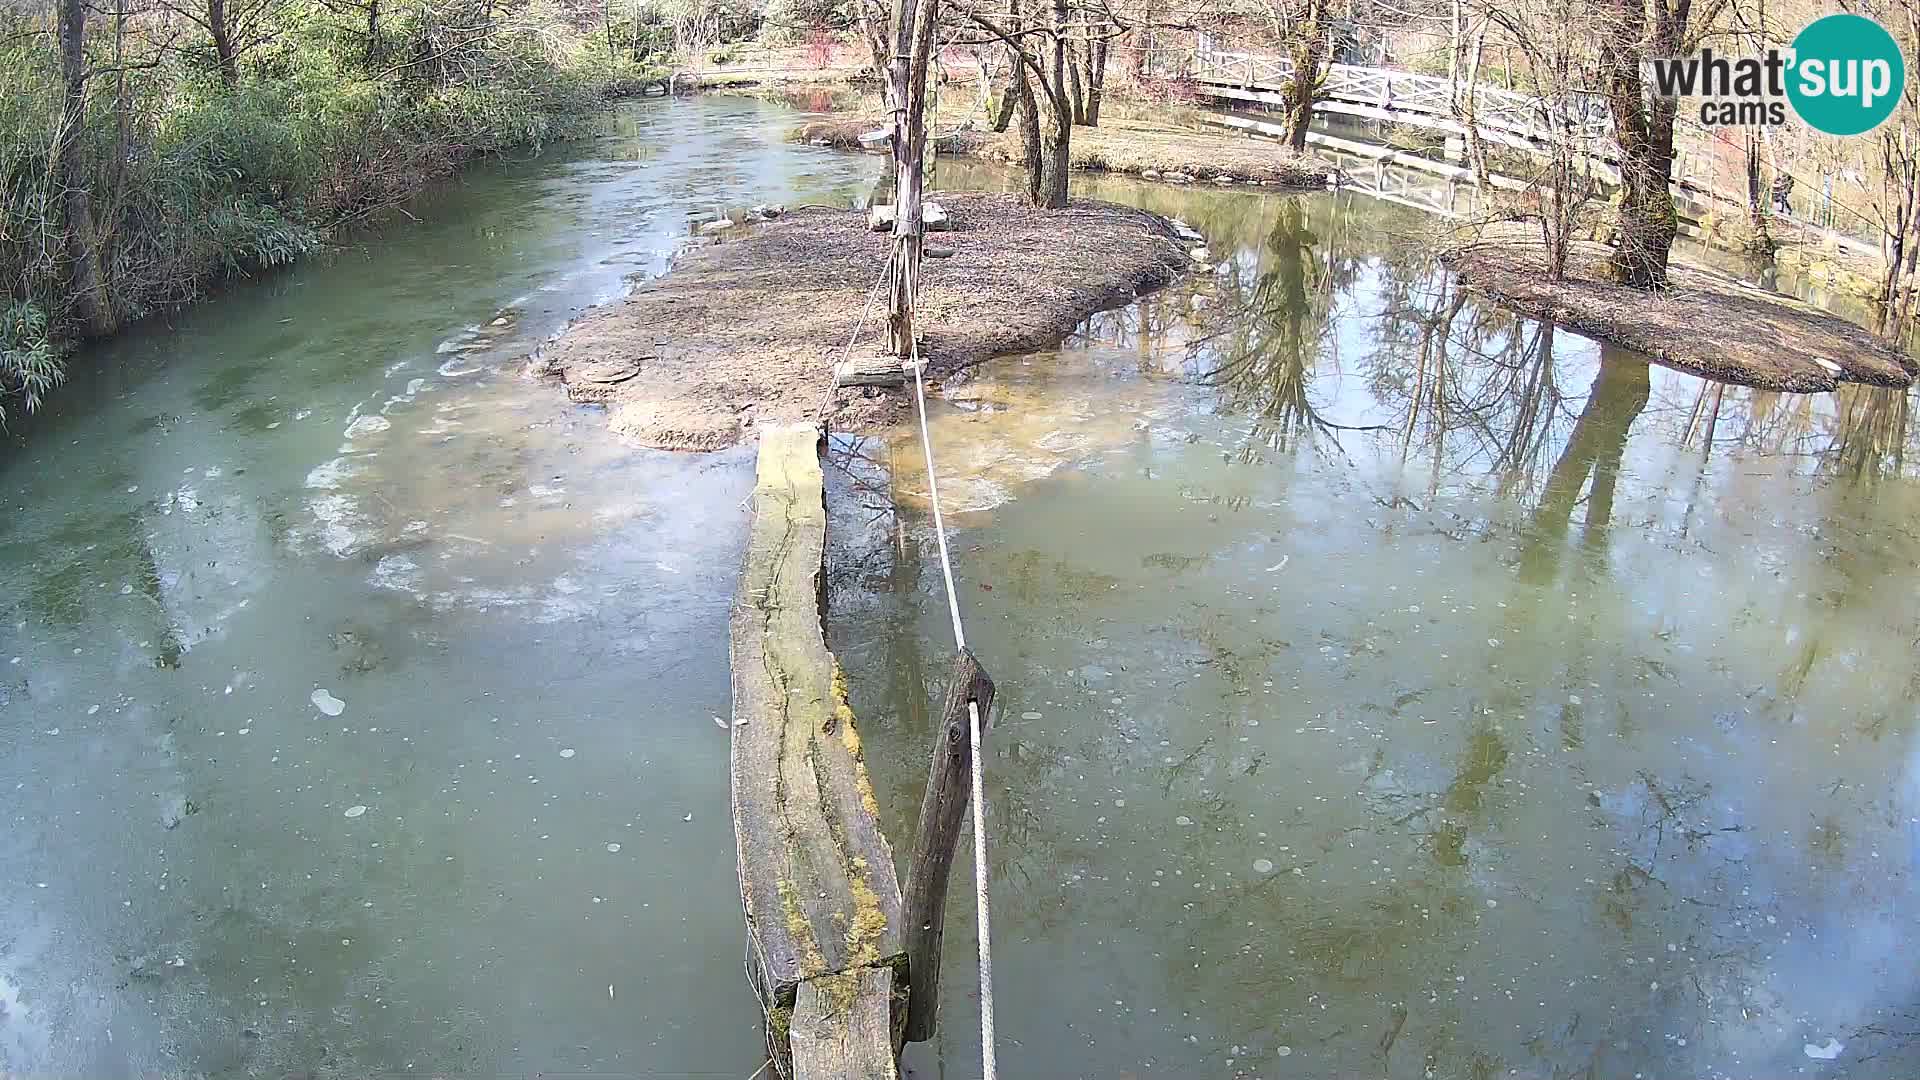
[983, 922]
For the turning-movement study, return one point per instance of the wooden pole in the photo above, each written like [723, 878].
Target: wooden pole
[913, 29]
[949, 779]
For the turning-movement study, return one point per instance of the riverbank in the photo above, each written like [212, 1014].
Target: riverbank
[185, 181]
[1133, 148]
[1707, 323]
[747, 331]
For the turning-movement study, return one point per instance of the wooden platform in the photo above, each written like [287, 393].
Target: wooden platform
[816, 874]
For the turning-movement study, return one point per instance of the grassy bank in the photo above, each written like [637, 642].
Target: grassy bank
[200, 160]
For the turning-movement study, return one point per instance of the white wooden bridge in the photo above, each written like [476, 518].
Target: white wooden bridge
[1500, 116]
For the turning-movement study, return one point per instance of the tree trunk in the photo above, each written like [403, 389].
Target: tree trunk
[223, 43]
[1029, 132]
[86, 277]
[1018, 75]
[376, 50]
[1759, 198]
[1053, 178]
[1308, 51]
[1074, 85]
[1469, 112]
[1096, 79]
[1646, 218]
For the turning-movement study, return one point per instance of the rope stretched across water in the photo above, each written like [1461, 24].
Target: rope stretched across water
[973, 717]
[982, 918]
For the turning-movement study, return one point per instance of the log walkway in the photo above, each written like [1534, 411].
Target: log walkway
[816, 874]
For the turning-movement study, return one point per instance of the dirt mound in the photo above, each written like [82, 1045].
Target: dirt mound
[747, 330]
[1707, 323]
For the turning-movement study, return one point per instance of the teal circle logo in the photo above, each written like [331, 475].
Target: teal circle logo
[1847, 74]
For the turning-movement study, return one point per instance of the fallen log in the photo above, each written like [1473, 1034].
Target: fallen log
[816, 873]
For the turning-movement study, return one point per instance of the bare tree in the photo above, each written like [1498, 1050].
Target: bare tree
[235, 27]
[1631, 32]
[92, 303]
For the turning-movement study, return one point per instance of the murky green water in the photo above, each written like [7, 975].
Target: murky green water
[1389, 687]
[339, 480]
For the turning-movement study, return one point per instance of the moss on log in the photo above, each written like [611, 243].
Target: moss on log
[816, 873]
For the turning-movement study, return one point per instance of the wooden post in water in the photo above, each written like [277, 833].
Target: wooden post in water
[913, 26]
[949, 782]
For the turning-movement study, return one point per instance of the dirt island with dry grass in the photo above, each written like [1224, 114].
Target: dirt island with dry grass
[1131, 147]
[1706, 323]
[747, 330]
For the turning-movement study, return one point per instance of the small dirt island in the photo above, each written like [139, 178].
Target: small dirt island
[1705, 322]
[746, 331]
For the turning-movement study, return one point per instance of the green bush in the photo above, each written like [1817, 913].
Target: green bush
[29, 361]
[192, 180]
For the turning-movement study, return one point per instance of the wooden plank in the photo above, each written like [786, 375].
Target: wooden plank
[943, 809]
[843, 1027]
[816, 874]
[879, 370]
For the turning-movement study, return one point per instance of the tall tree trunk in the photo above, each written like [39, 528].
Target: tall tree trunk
[1646, 218]
[1029, 132]
[1053, 179]
[223, 50]
[86, 277]
[1018, 80]
[1308, 51]
[376, 49]
[1096, 78]
[1759, 197]
[1074, 94]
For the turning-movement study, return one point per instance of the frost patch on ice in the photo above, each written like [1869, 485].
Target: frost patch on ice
[1826, 1052]
[398, 573]
[366, 425]
[337, 517]
[186, 500]
[329, 475]
[332, 706]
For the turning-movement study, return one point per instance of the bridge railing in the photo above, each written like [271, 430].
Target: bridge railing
[1507, 111]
